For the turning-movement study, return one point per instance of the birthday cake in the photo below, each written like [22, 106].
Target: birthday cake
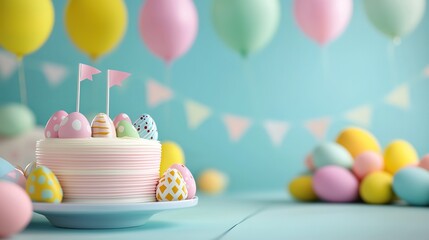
[100, 163]
[105, 161]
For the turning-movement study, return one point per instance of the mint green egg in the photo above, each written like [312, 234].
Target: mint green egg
[126, 129]
[15, 119]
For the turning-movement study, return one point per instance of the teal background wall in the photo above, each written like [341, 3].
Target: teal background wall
[292, 80]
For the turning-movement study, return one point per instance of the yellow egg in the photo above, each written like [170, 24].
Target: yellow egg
[301, 188]
[376, 188]
[212, 182]
[171, 153]
[43, 186]
[399, 154]
[357, 141]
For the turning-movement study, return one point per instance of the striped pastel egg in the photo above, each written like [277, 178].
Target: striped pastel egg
[103, 127]
[146, 127]
[43, 186]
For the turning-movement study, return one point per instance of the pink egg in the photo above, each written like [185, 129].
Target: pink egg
[53, 124]
[335, 184]
[424, 163]
[189, 179]
[75, 125]
[121, 117]
[15, 209]
[366, 163]
[309, 162]
[102, 126]
[16, 176]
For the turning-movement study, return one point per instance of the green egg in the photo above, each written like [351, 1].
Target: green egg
[15, 119]
[126, 129]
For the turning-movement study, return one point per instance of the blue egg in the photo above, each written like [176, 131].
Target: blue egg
[331, 154]
[5, 167]
[411, 184]
[146, 127]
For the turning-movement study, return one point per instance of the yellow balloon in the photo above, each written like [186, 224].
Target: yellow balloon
[212, 182]
[171, 153]
[301, 188]
[96, 26]
[376, 188]
[399, 154]
[357, 140]
[25, 25]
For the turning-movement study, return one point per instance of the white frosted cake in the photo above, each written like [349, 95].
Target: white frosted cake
[103, 170]
[105, 162]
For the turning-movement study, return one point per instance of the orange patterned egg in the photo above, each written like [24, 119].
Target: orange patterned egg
[102, 126]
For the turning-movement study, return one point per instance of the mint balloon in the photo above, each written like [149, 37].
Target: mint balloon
[395, 18]
[246, 25]
[15, 119]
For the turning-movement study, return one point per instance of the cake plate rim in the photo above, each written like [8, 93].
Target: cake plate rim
[105, 215]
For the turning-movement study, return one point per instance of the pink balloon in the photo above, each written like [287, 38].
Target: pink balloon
[168, 27]
[323, 20]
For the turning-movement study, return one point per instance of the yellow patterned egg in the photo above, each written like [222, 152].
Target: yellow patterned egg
[171, 186]
[102, 126]
[43, 186]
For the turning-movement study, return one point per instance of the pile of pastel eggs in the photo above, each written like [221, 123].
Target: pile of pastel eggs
[75, 125]
[354, 168]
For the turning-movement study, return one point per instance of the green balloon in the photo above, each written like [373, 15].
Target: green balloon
[15, 119]
[246, 25]
[395, 18]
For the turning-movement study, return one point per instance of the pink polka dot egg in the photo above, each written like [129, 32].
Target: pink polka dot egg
[75, 125]
[189, 179]
[53, 124]
[15, 208]
[121, 117]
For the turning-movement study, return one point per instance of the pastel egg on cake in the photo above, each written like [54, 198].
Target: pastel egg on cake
[75, 125]
[53, 124]
[102, 126]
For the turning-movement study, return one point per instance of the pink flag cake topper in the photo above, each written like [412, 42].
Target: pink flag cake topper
[86, 72]
[114, 78]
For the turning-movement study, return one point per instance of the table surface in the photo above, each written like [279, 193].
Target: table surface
[268, 215]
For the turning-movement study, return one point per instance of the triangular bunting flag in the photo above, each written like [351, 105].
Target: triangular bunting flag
[8, 64]
[276, 130]
[399, 97]
[196, 113]
[360, 115]
[236, 126]
[54, 73]
[318, 127]
[157, 93]
[426, 71]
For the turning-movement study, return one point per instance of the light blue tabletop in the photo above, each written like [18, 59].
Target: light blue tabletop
[259, 216]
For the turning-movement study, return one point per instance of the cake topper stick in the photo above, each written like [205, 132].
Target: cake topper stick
[114, 78]
[85, 72]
